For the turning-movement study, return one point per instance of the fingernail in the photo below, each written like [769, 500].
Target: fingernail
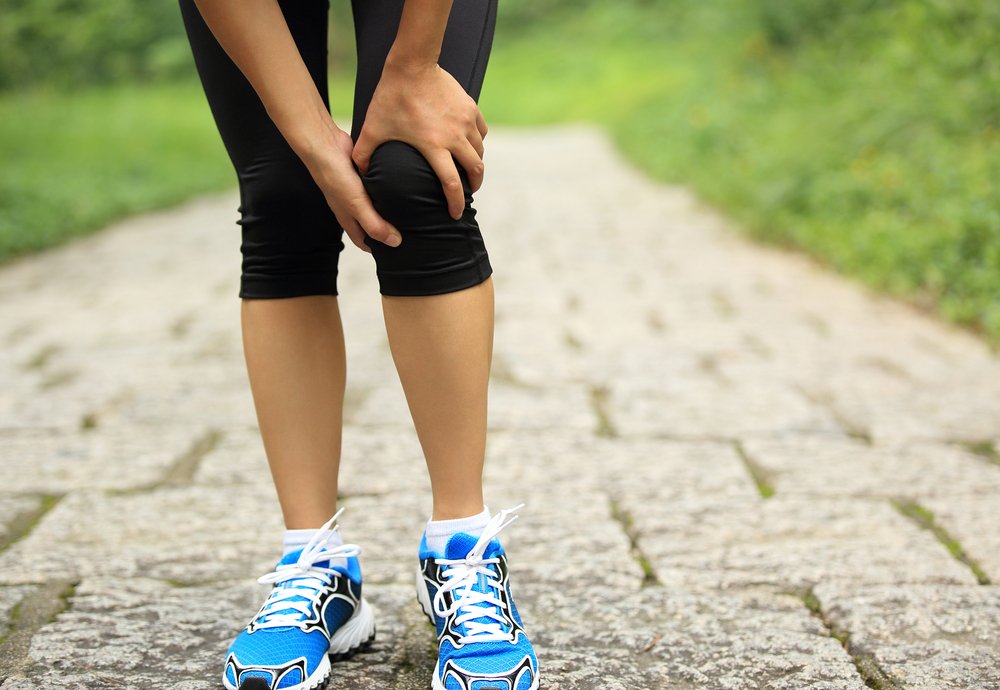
[394, 240]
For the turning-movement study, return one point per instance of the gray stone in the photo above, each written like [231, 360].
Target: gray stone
[922, 636]
[788, 542]
[191, 534]
[140, 633]
[658, 472]
[66, 460]
[963, 405]
[10, 598]
[104, 640]
[703, 408]
[673, 637]
[821, 465]
[972, 522]
[13, 508]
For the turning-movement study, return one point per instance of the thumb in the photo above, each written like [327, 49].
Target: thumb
[362, 153]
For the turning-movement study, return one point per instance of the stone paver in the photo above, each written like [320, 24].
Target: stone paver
[713, 440]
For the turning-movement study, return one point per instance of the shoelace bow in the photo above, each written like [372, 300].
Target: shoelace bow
[463, 575]
[305, 579]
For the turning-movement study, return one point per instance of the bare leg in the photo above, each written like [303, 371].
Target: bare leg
[442, 346]
[294, 350]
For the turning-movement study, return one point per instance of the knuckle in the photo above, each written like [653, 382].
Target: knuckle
[375, 229]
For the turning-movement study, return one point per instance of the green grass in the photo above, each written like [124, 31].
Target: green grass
[924, 518]
[872, 144]
[73, 162]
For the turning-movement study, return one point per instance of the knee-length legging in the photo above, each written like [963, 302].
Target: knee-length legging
[291, 240]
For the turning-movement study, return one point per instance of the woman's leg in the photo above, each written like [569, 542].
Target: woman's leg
[437, 294]
[442, 346]
[438, 308]
[294, 351]
[294, 348]
[292, 334]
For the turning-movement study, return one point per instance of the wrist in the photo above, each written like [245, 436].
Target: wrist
[312, 141]
[409, 63]
[318, 152]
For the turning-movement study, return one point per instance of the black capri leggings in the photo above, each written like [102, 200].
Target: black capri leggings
[291, 240]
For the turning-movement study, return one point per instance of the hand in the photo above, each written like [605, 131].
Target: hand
[426, 108]
[331, 168]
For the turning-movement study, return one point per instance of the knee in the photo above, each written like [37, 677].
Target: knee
[404, 188]
[439, 254]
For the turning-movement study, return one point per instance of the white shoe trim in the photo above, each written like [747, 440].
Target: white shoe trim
[314, 681]
[358, 629]
[436, 684]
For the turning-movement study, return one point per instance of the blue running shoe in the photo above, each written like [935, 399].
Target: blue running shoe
[466, 594]
[313, 612]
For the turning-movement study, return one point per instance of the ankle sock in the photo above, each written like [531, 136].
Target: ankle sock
[438, 532]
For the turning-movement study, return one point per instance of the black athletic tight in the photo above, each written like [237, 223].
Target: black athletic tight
[291, 240]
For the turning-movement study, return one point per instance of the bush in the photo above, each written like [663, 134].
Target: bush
[787, 23]
[72, 43]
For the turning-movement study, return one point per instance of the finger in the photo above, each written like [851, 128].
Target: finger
[374, 225]
[444, 167]
[362, 153]
[481, 124]
[472, 163]
[476, 139]
[356, 233]
[351, 227]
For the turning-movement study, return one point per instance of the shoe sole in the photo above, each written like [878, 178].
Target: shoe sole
[438, 685]
[424, 597]
[355, 635]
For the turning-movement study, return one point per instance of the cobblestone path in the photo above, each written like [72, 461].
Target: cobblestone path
[740, 471]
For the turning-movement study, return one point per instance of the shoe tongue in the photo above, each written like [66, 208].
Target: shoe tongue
[339, 564]
[459, 546]
[462, 543]
[290, 557]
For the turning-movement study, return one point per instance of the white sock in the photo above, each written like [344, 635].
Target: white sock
[438, 532]
[296, 539]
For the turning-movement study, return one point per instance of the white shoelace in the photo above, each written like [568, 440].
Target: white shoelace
[279, 610]
[463, 574]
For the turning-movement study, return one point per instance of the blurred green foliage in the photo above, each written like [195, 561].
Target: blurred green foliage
[73, 43]
[866, 132]
[73, 161]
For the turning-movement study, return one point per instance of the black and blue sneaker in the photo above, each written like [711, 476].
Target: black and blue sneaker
[466, 594]
[313, 613]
